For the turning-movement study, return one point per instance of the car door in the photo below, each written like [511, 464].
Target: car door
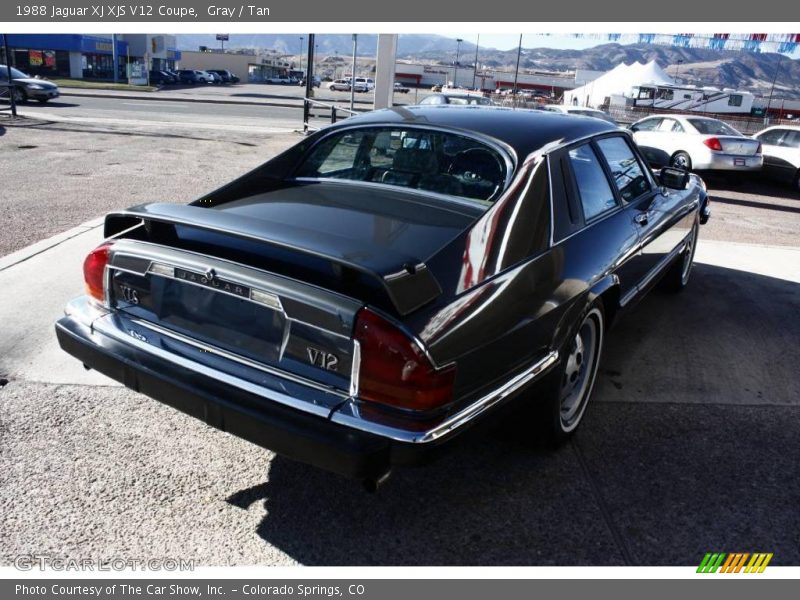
[647, 137]
[780, 158]
[657, 213]
[589, 218]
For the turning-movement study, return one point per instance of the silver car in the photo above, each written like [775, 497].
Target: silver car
[695, 142]
[781, 149]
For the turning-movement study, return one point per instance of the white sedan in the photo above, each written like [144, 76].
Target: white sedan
[781, 148]
[698, 143]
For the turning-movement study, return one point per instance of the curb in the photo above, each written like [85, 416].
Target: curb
[23, 254]
[297, 104]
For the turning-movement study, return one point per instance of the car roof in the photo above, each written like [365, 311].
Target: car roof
[524, 130]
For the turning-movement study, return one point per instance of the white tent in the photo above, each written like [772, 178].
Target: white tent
[616, 82]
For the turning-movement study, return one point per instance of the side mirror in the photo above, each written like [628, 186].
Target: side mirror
[674, 179]
[633, 128]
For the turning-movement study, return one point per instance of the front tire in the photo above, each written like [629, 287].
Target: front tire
[681, 160]
[677, 278]
[20, 96]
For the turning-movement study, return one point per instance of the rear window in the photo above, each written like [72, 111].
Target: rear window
[429, 160]
[712, 127]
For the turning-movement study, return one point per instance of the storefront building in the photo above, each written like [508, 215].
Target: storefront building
[66, 55]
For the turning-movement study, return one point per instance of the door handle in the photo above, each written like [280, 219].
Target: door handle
[642, 218]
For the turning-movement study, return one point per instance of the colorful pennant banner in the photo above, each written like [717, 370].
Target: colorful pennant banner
[786, 43]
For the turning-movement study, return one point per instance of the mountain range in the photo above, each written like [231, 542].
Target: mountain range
[698, 66]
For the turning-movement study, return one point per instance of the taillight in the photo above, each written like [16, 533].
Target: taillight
[713, 143]
[94, 267]
[395, 371]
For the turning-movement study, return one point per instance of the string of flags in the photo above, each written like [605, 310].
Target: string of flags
[785, 43]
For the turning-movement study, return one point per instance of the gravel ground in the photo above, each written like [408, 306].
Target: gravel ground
[58, 176]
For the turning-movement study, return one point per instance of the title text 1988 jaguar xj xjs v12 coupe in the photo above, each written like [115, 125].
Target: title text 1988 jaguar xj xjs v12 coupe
[363, 298]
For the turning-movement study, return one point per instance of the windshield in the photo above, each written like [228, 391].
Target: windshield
[428, 160]
[15, 73]
[712, 127]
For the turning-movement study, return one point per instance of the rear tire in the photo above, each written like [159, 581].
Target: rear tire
[568, 388]
[681, 160]
[677, 278]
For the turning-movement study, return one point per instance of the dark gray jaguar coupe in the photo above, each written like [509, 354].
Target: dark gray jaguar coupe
[364, 298]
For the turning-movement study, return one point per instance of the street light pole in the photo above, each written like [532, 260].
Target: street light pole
[353, 73]
[301, 53]
[455, 70]
[475, 69]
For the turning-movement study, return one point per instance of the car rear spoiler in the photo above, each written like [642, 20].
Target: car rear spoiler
[406, 280]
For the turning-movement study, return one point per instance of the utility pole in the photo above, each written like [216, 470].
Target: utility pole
[516, 71]
[772, 89]
[455, 70]
[11, 98]
[353, 73]
[475, 70]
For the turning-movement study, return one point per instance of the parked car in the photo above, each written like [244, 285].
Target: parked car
[367, 83]
[364, 298]
[339, 85]
[27, 88]
[281, 80]
[582, 111]
[436, 88]
[224, 75]
[343, 85]
[780, 146]
[457, 98]
[192, 77]
[400, 88]
[316, 81]
[697, 143]
[213, 77]
[161, 78]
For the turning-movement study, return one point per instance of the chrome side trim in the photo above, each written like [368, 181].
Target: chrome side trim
[652, 274]
[454, 422]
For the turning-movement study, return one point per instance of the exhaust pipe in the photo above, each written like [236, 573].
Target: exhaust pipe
[372, 484]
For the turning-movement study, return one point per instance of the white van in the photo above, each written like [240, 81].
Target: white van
[367, 82]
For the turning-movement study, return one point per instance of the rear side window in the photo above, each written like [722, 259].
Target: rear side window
[771, 137]
[629, 177]
[712, 127]
[594, 190]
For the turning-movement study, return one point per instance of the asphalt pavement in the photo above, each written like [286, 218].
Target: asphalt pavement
[690, 445]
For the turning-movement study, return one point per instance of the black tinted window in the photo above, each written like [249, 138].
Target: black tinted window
[771, 137]
[427, 160]
[629, 177]
[593, 187]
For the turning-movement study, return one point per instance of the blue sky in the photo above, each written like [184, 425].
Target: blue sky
[504, 41]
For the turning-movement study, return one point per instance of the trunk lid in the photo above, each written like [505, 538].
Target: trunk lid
[738, 145]
[276, 279]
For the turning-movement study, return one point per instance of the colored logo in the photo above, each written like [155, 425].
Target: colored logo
[734, 563]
